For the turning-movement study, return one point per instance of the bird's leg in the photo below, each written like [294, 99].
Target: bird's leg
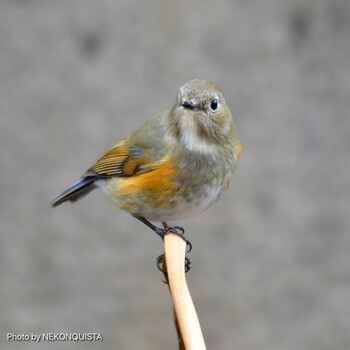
[161, 232]
[157, 230]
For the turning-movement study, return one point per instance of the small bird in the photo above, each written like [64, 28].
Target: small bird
[174, 166]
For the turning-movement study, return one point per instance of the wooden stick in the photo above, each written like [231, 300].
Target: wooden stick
[178, 331]
[187, 322]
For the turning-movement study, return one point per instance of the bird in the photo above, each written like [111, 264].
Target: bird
[174, 166]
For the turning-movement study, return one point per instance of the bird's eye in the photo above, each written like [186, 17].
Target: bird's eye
[214, 104]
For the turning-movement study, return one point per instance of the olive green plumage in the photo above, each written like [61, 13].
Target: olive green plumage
[173, 166]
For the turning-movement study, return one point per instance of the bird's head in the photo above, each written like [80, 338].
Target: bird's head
[200, 117]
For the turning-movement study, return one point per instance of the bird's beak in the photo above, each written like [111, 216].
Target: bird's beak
[188, 105]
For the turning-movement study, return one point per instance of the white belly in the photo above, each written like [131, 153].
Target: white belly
[197, 205]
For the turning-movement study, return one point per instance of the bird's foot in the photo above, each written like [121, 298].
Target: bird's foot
[160, 265]
[177, 230]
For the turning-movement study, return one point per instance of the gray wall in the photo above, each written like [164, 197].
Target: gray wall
[270, 260]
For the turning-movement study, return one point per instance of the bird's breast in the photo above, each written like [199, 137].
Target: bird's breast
[171, 191]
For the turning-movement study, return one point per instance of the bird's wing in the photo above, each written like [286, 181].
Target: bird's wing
[139, 153]
[122, 161]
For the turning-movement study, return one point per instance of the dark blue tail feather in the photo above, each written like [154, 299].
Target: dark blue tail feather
[78, 190]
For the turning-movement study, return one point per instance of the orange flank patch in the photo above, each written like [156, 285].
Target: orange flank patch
[240, 150]
[157, 181]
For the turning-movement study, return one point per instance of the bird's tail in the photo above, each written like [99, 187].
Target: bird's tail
[76, 191]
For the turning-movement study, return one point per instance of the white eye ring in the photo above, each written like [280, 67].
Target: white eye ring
[214, 104]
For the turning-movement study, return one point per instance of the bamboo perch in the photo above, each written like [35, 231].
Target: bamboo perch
[186, 321]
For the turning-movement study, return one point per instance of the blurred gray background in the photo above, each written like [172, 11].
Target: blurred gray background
[271, 267]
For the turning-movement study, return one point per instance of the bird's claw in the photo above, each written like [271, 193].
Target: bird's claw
[160, 267]
[177, 230]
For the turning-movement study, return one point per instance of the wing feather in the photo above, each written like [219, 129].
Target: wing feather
[121, 161]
